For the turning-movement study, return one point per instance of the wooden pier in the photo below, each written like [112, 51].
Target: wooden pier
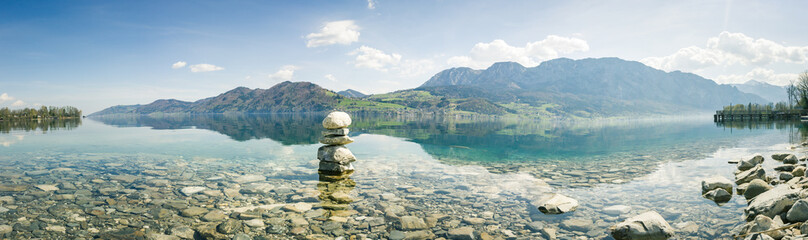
[763, 115]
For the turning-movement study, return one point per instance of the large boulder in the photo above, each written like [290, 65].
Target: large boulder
[798, 212]
[336, 120]
[557, 204]
[791, 159]
[648, 226]
[772, 202]
[714, 182]
[756, 187]
[756, 172]
[746, 164]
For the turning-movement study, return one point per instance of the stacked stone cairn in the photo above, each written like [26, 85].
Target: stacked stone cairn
[335, 164]
[335, 158]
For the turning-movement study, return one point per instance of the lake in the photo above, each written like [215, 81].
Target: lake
[130, 177]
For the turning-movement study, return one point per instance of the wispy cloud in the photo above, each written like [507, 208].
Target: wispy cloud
[5, 98]
[483, 55]
[342, 32]
[204, 67]
[286, 73]
[330, 77]
[371, 4]
[179, 64]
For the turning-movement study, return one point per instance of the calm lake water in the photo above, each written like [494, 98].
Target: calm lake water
[416, 177]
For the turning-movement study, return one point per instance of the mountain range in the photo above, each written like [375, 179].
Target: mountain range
[771, 93]
[556, 88]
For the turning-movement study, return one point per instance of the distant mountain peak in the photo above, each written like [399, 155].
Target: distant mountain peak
[352, 93]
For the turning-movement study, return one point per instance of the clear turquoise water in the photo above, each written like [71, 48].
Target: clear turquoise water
[506, 155]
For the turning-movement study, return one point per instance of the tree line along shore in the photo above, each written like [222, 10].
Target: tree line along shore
[41, 113]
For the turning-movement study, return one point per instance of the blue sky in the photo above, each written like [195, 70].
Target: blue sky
[95, 54]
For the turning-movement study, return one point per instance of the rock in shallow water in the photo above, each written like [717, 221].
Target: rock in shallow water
[188, 191]
[719, 195]
[780, 157]
[714, 182]
[747, 164]
[756, 172]
[617, 210]
[336, 120]
[557, 204]
[791, 159]
[649, 225]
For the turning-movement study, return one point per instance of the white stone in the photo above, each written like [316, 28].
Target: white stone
[188, 191]
[648, 226]
[336, 120]
[55, 228]
[557, 204]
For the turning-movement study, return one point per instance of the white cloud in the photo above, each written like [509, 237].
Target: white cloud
[204, 67]
[368, 57]
[179, 64]
[729, 49]
[759, 74]
[371, 4]
[5, 97]
[338, 32]
[18, 103]
[483, 55]
[286, 73]
[330, 77]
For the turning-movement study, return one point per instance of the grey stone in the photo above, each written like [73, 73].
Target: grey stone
[772, 202]
[335, 153]
[791, 159]
[780, 157]
[764, 223]
[214, 216]
[749, 163]
[798, 171]
[336, 140]
[798, 212]
[335, 132]
[159, 236]
[755, 188]
[183, 232]
[335, 167]
[649, 225]
[557, 204]
[249, 178]
[336, 120]
[785, 176]
[756, 172]
[229, 227]
[193, 211]
[242, 236]
[785, 168]
[714, 182]
[759, 236]
[462, 233]
[719, 195]
[188, 191]
[409, 223]
[617, 209]
[577, 224]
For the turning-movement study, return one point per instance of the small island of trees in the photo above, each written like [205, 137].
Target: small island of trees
[41, 113]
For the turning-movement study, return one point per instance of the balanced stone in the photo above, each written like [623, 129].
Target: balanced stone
[334, 167]
[780, 157]
[719, 195]
[756, 187]
[336, 140]
[336, 120]
[338, 154]
[335, 132]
